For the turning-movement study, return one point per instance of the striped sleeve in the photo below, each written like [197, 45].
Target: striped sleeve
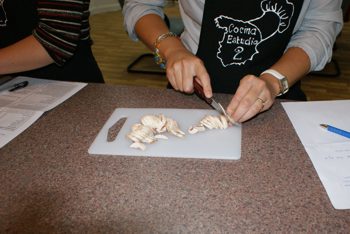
[61, 25]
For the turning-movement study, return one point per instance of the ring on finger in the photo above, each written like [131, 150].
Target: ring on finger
[262, 102]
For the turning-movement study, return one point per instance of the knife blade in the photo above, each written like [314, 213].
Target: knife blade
[198, 90]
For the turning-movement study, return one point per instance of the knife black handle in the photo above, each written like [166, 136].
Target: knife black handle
[198, 90]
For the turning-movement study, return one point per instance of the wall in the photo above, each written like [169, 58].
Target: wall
[99, 6]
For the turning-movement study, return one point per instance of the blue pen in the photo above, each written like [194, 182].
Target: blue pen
[336, 130]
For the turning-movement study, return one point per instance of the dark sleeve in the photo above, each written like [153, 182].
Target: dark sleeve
[59, 27]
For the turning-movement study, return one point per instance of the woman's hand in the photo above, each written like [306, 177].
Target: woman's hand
[254, 95]
[182, 67]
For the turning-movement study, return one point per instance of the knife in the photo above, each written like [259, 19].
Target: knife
[198, 90]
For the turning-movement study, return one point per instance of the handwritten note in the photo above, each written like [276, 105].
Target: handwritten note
[329, 152]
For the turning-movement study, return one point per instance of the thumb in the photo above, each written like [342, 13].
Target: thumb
[204, 79]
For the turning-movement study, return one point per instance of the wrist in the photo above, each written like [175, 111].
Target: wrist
[169, 47]
[278, 82]
[272, 83]
[159, 47]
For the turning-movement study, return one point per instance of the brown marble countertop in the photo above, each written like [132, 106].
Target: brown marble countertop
[50, 184]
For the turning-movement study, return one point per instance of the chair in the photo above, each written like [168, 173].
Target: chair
[145, 62]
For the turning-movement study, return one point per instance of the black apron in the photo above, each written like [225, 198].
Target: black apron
[246, 37]
[18, 18]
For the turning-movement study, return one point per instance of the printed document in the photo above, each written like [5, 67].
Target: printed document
[21, 108]
[329, 152]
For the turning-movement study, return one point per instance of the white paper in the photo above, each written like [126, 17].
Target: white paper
[15, 121]
[21, 108]
[329, 152]
[39, 95]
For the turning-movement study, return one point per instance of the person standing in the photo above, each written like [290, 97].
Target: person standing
[257, 50]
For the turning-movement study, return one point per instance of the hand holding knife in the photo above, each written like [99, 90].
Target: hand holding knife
[198, 90]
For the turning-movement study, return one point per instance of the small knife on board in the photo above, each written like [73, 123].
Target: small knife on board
[198, 90]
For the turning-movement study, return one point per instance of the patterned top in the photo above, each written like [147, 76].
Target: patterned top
[61, 25]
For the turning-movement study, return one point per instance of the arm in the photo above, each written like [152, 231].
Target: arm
[317, 31]
[53, 40]
[24, 55]
[310, 48]
[145, 21]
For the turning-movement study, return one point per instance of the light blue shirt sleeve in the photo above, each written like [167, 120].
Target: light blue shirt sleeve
[319, 23]
[133, 10]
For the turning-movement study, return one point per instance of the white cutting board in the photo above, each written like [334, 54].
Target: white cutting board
[210, 144]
